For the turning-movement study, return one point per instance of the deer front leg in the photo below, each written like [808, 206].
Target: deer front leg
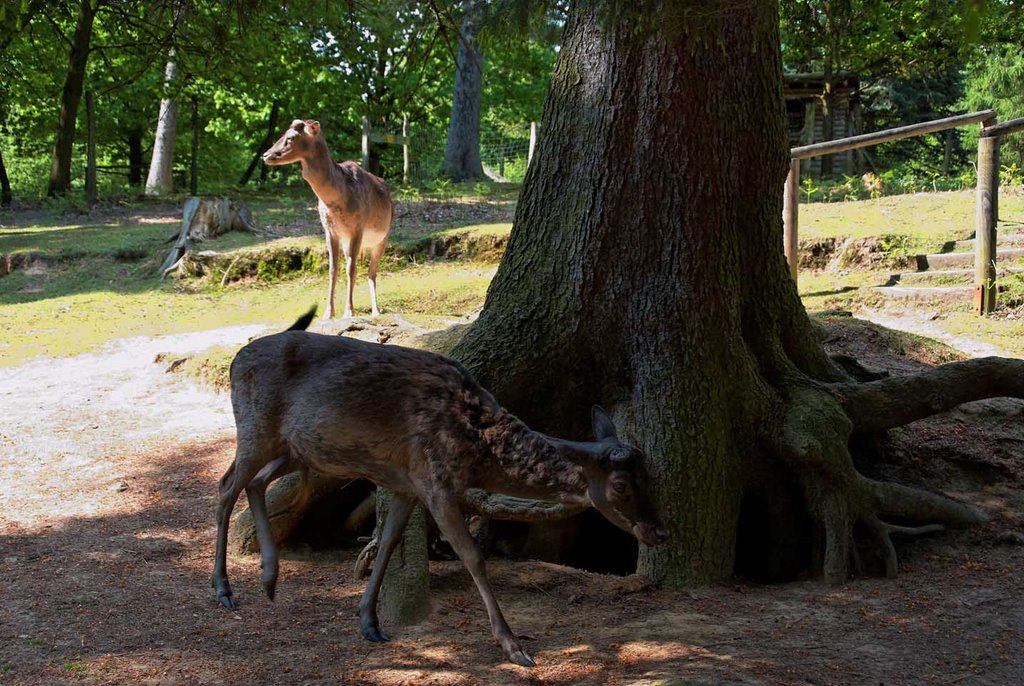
[398, 516]
[256, 492]
[450, 520]
[352, 250]
[333, 248]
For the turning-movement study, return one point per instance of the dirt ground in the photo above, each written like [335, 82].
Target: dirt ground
[108, 484]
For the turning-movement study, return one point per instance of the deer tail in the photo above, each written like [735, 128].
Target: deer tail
[303, 322]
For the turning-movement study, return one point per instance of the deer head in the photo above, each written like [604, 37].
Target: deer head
[295, 144]
[617, 483]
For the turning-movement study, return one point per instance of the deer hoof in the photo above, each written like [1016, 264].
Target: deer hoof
[374, 635]
[520, 657]
[227, 601]
[270, 587]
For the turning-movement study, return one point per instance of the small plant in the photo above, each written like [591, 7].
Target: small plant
[1011, 175]
[897, 249]
[809, 188]
[408, 194]
[443, 188]
[75, 667]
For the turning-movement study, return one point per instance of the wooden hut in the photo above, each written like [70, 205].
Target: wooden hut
[803, 94]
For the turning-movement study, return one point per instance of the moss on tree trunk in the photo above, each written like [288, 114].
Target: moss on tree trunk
[645, 272]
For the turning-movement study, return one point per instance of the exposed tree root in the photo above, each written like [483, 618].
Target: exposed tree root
[815, 440]
[899, 400]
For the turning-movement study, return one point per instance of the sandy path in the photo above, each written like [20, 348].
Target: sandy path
[62, 418]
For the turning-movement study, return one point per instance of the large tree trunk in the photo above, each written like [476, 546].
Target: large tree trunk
[160, 179]
[462, 151]
[645, 272]
[74, 80]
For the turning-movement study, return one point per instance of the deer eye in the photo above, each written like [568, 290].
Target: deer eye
[620, 487]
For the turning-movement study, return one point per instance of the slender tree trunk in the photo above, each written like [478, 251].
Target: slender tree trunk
[828, 111]
[462, 151]
[71, 96]
[135, 160]
[275, 111]
[193, 176]
[645, 272]
[160, 179]
[90, 165]
[5, 185]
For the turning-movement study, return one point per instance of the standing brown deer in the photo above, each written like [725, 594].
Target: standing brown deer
[355, 206]
[306, 401]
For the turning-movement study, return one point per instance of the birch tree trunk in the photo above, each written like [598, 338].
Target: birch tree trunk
[160, 179]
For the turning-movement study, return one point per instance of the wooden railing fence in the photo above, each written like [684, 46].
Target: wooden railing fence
[987, 188]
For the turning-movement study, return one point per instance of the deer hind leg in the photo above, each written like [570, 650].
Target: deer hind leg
[256, 491]
[333, 247]
[449, 518]
[398, 516]
[375, 255]
[352, 249]
[246, 465]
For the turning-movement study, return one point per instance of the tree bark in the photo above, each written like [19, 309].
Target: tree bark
[404, 597]
[462, 151]
[275, 110]
[6, 197]
[160, 179]
[135, 160]
[645, 272]
[90, 165]
[71, 96]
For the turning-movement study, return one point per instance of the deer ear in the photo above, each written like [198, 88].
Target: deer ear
[298, 125]
[312, 127]
[603, 425]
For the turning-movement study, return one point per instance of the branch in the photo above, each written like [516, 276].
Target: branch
[509, 508]
[896, 401]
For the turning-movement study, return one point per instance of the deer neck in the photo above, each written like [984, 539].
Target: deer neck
[529, 464]
[319, 170]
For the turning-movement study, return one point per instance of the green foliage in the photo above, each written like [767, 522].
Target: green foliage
[898, 180]
[330, 60]
[995, 80]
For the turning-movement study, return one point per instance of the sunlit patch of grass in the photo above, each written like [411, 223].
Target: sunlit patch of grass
[930, 218]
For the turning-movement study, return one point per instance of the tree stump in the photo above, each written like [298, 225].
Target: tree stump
[205, 219]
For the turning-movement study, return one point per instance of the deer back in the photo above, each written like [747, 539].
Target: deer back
[351, 408]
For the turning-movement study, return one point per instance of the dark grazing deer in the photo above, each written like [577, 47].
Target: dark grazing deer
[417, 424]
[355, 206]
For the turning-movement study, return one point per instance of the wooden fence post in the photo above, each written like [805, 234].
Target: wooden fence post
[986, 214]
[366, 142]
[790, 216]
[533, 142]
[405, 149]
[90, 164]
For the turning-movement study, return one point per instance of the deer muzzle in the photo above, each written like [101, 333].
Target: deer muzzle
[650, 534]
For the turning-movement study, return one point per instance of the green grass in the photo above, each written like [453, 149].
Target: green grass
[97, 279]
[930, 218]
[87, 290]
